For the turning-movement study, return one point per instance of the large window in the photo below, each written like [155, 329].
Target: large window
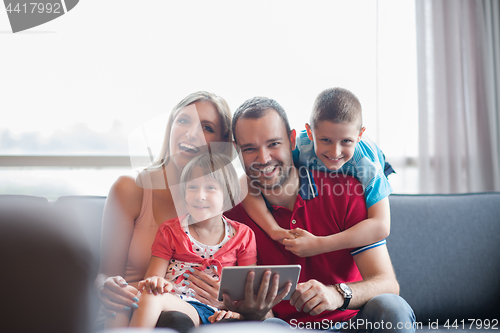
[79, 86]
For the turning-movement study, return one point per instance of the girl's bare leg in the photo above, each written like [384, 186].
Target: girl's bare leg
[151, 306]
[122, 318]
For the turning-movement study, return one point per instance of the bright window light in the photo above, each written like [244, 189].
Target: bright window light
[81, 84]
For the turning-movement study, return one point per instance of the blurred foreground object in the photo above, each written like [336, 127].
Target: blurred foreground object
[46, 268]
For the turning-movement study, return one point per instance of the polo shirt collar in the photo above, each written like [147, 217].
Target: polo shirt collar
[307, 186]
[307, 189]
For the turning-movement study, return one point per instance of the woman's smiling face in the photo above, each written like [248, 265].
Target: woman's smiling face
[196, 126]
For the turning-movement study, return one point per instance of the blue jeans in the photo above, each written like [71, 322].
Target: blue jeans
[386, 313]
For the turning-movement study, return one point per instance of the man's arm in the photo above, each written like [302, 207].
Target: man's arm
[378, 278]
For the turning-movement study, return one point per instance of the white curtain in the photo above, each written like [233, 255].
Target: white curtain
[458, 46]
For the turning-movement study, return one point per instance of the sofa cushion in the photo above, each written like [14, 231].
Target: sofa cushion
[446, 253]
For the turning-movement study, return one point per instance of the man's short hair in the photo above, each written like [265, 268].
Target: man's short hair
[255, 108]
[337, 105]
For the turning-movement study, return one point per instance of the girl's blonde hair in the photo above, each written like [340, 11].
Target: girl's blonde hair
[220, 106]
[218, 167]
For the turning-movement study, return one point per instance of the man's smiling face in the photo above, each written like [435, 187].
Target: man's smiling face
[266, 149]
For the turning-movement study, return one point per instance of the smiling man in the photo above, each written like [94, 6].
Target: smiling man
[356, 289]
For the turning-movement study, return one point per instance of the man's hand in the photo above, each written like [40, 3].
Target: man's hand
[255, 307]
[304, 245]
[313, 297]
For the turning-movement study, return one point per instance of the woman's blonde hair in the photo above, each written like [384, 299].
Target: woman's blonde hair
[220, 106]
[217, 167]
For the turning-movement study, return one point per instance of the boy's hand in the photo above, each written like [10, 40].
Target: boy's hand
[223, 314]
[280, 234]
[305, 245]
[155, 284]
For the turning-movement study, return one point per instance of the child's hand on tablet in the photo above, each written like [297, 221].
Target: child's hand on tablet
[223, 314]
[206, 287]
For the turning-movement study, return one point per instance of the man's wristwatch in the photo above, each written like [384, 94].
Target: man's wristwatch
[346, 292]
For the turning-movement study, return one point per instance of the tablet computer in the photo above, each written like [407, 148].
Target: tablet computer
[233, 279]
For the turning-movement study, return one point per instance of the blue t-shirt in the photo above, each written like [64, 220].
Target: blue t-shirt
[367, 165]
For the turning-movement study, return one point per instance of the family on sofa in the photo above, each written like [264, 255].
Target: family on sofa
[318, 199]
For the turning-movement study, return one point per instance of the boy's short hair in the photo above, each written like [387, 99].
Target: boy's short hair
[255, 108]
[337, 105]
[219, 168]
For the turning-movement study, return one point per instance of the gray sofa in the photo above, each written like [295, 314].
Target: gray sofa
[445, 250]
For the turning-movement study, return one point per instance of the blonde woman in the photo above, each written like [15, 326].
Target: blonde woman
[136, 207]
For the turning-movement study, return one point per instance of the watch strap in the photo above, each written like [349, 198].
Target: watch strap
[346, 304]
[347, 298]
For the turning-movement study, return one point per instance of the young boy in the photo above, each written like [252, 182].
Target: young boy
[333, 143]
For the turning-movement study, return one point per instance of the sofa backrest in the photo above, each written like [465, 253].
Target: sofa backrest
[444, 248]
[446, 253]
[85, 212]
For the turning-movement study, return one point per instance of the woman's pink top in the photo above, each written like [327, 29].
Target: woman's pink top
[145, 228]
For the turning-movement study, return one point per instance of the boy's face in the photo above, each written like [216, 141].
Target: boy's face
[334, 143]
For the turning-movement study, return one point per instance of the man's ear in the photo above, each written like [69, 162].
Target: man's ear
[309, 132]
[293, 138]
[361, 133]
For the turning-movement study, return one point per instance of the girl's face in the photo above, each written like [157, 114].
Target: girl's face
[204, 196]
[196, 126]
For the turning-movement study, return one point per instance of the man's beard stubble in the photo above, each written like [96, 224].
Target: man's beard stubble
[284, 174]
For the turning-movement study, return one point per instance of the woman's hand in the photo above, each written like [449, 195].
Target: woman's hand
[117, 295]
[223, 314]
[206, 288]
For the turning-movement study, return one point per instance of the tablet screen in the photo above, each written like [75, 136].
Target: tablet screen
[233, 279]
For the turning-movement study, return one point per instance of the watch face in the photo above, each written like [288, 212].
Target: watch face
[345, 288]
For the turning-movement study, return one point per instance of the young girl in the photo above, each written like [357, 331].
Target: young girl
[203, 239]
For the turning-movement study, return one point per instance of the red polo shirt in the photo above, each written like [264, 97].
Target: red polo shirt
[326, 204]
